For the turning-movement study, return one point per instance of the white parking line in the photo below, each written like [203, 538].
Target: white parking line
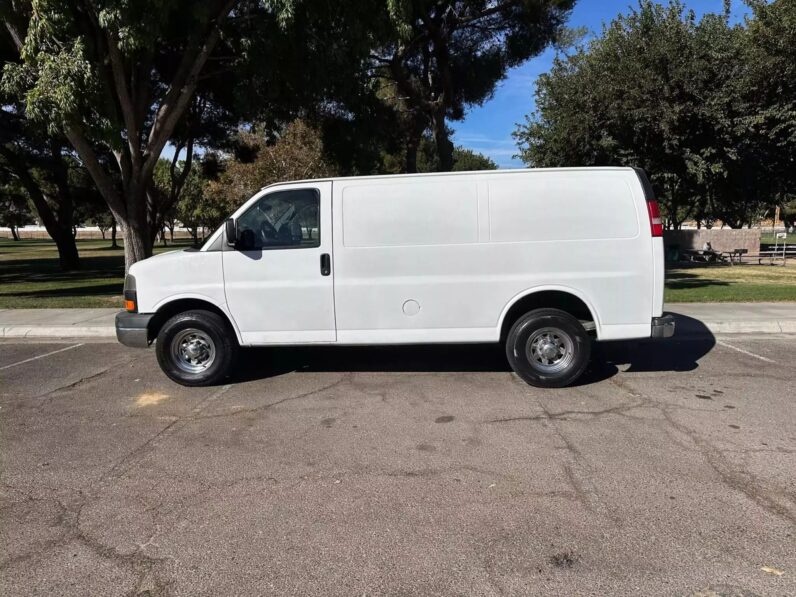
[746, 352]
[41, 356]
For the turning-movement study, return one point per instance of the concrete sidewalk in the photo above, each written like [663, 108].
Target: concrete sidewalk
[692, 319]
[57, 323]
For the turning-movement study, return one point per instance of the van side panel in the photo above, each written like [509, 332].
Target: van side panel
[433, 270]
[410, 214]
[561, 207]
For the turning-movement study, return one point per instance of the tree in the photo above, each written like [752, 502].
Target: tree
[768, 92]
[41, 165]
[122, 77]
[14, 208]
[467, 160]
[427, 159]
[438, 58]
[297, 154]
[92, 210]
[788, 215]
[194, 209]
[679, 97]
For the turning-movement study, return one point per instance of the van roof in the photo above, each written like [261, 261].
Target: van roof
[480, 172]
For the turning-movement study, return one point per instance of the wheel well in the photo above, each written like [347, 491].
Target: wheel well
[548, 299]
[171, 309]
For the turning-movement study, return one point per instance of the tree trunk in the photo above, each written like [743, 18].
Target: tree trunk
[135, 225]
[410, 163]
[14, 233]
[135, 245]
[137, 242]
[68, 258]
[114, 244]
[58, 222]
[102, 232]
[443, 143]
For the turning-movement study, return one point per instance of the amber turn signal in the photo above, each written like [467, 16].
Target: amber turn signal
[129, 305]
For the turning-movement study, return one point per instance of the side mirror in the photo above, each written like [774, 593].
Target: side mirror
[231, 232]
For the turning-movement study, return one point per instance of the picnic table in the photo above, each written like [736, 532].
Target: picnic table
[706, 255]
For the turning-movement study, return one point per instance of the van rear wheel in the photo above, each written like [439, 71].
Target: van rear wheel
[196, 348]
[548, 348]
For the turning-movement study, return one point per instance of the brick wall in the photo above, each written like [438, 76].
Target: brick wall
[725, 239]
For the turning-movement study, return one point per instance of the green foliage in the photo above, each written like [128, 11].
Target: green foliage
[427, 160]
[297, 154]
[124, 78]
[430, 61]
[467, 159]
[14, 207]
[682, 98]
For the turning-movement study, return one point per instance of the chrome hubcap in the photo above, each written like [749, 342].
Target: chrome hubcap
[193, 350]
[550, 350]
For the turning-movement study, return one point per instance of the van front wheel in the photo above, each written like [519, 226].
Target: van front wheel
[548, 348]
[196, 348]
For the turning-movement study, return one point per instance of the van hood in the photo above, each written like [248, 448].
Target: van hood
[157, 260]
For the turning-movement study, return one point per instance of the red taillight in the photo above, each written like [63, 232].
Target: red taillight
[656, 224]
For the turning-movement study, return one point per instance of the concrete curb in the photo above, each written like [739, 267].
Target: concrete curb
[57, 331]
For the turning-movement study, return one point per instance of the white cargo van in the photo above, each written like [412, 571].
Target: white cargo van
[541, 260]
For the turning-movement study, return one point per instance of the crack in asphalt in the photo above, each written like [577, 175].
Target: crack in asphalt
[143, 566]
[141, 448]
[583, 487]
[565, 415]
[43, 399]
[263, 407]
[739, 481]
[113, 366]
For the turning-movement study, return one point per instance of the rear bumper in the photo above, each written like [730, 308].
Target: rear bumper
[663, 327]
[132, 329]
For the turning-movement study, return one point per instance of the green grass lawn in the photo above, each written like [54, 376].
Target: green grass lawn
[30, 277]
[724, 283]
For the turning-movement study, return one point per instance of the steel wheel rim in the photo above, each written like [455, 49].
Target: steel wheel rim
[193, 351]
[550, 350]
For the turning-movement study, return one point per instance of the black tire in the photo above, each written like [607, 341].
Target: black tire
[532, 340]
[207, 344]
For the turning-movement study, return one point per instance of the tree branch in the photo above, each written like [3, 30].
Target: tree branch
[101, 179]
[15, 35]
[181, 90]
[125, 99]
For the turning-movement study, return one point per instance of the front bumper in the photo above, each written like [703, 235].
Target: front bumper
[132, 329]
[663, 327]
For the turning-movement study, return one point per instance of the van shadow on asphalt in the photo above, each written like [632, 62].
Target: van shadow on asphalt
[691, 342]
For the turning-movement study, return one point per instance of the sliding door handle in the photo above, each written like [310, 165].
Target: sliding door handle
[326, 264]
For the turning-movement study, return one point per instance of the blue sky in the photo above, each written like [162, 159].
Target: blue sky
[487, 129]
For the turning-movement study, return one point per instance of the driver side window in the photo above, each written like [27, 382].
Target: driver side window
[283, 220]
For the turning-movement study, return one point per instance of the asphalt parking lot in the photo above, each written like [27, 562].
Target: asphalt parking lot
[671, 470]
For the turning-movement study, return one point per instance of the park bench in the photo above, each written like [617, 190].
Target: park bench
[735, 256]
